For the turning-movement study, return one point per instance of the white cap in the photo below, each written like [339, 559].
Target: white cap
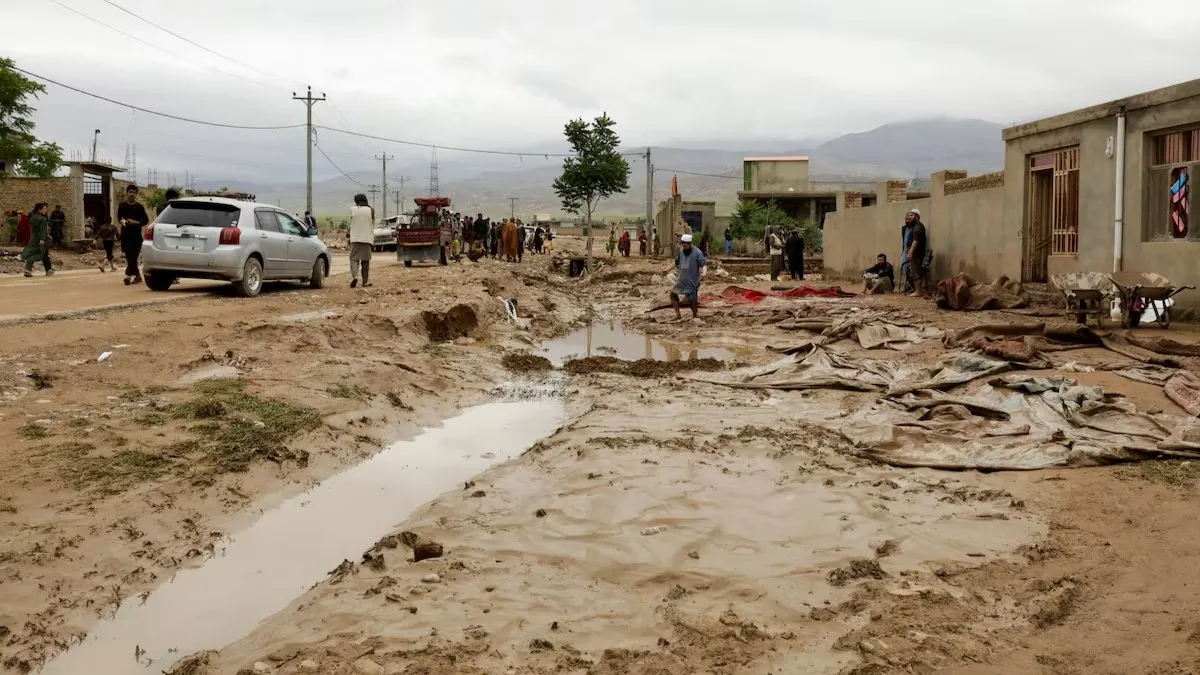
[916, 212]
[687, 239]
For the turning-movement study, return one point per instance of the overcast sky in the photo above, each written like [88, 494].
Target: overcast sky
[507, 74]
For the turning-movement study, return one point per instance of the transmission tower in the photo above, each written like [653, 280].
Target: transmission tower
[433, 176]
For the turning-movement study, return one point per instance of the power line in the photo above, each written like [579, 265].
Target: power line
[154, 46]
[197, 44]
[339, 170]
[694, 173]
[434, 146]
[155, 112]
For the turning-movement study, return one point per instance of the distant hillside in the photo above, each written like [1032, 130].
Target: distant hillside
[897, 150]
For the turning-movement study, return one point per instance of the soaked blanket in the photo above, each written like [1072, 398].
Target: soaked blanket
[737, 295]
[1017, 422]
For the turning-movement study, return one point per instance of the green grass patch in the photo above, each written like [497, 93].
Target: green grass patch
[109, 474]
[357, 392]
[1172, 472]
[33, 431]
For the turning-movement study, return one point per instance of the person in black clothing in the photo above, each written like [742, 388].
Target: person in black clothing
[795, 256]
[58, 222]
[917, 244]
[132, 217]
[172, 193]
[881, 278]
[310, 222]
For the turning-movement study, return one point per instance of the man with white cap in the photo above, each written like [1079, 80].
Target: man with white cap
[915, 249]
[691, 266]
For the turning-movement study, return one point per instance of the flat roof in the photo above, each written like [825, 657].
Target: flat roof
[782, 158]
[1149, 99]
[97, 166]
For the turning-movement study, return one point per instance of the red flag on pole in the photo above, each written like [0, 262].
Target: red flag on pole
[674, 185]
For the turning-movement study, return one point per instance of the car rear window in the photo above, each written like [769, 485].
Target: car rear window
[199, 214]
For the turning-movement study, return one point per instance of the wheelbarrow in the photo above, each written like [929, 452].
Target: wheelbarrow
[1145, 297]
[1086, 294]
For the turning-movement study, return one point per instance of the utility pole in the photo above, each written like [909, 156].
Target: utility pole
[374, 190]
[309, 100]
[651, 231]
[400, 194]
[95, 139]
[396, 194]
[512, 207]
[384, 158]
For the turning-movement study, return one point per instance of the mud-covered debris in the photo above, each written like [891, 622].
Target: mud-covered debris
[521, 362]
[389, 541]
[648, 368]
[887, 548]
[651, 531]
[365, 666]
[309, 666]
[859, 568]
[344, 569]
[431, 579]
[822, 614]
[402, 601]
[458, 321]
[40, 380]
[478, 494]
[676, 593]
[540, 645]
[694, 555]
[540, 513]
[374, 561]
[422, 548]
[261, 667]
[192, 665]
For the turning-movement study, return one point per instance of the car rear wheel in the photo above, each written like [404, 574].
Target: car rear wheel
[317, 280]
[252, 279]
[159, 281]
[408, 263]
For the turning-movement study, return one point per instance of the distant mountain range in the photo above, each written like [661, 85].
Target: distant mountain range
[485, 183]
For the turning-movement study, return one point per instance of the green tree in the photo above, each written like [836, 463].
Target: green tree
[750, 220]
[18, 145]
[596, 172]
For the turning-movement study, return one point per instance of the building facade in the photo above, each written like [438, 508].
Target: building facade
[1102, 189]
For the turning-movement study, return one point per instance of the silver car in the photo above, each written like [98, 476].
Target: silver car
[230, 240]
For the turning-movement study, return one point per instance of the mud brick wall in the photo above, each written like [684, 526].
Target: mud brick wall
[897, 191]
[854, 200]
[20, 194]
[980, 182]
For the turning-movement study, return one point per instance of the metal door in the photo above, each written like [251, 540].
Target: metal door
[302, 250]
[272, 243]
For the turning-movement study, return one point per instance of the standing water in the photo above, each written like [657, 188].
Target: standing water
[263, 568]
[612, 339]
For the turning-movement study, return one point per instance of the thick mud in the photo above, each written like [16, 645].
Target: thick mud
[258, 571]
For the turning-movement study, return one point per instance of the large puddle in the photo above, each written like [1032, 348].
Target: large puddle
[610, 338]
[264, 567]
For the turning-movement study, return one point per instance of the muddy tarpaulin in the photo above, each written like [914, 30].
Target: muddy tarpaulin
[736, 295]
[1184, 389]
[1016, 422]
[891, 336]
[822, 368]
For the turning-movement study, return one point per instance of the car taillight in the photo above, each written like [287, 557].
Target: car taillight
[148, 232]
[230, 236]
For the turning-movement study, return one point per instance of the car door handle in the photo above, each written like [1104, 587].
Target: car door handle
[262, 236]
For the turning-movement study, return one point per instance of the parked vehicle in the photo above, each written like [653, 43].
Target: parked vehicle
[385, 233]
[232, 240]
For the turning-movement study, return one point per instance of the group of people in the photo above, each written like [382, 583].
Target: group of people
[41, 231]
[507, 239]
[915, 258]
[624, 243]
[786, 249]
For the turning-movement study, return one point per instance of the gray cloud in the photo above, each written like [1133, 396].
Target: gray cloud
[507, 75]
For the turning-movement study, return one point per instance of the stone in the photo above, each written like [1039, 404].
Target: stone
[365, 666]
[309, 666]
[431, 579]
[260, 667]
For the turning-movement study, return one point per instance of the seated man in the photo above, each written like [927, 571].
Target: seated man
[880, 278]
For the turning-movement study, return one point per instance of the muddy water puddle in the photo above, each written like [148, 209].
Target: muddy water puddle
[610, 338]
[261, 569]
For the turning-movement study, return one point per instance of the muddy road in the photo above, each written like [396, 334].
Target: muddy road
[411, 479]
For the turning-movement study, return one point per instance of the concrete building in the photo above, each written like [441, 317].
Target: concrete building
[1102, 189]
[88, 189]
[772, 174]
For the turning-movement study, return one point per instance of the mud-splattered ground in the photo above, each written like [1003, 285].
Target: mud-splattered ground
[669, 526]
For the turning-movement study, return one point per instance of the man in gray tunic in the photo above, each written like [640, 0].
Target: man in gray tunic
[691, 266]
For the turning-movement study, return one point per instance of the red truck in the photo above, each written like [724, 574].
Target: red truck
[427, 235]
